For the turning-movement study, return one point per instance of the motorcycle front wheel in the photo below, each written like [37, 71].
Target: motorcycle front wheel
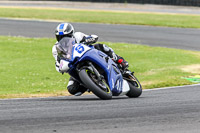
[98, 87]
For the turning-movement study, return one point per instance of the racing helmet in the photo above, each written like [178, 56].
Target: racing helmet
[64, 30]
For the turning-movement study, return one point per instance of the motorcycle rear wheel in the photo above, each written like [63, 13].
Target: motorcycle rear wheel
[135, 87]
[99, 88]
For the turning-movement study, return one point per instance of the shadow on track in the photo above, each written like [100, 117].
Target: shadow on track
[81, 98]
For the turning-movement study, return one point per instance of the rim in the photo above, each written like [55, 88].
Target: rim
[102, 83]
[135, 81]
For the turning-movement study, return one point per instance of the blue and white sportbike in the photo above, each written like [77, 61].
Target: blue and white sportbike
[98, 72]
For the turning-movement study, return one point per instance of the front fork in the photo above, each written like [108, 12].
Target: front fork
[91, 67]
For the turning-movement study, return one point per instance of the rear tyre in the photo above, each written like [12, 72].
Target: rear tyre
[99, 88]
[135, 87]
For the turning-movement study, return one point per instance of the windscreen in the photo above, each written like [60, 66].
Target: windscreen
[64, 47]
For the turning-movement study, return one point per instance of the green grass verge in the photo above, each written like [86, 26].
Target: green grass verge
[27, 66]
[111, 17]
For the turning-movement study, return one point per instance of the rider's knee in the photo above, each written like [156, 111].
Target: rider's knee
[74, 87]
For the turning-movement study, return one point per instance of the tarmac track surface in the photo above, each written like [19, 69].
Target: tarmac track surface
[182, 38]
[175, 110]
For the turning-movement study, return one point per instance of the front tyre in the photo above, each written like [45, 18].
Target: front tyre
[99, 88]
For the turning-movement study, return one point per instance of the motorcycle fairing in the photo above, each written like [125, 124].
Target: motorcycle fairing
[83, 53]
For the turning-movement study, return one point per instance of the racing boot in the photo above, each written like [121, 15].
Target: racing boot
[75, 88]
[122, 64]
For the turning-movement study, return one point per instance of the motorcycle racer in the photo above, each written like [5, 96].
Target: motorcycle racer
[65, 34]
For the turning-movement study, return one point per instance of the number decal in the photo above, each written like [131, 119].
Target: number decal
[79, 49]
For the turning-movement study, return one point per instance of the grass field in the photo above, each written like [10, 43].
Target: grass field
[27, 66]
[111, 17]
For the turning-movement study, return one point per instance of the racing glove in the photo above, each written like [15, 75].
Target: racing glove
[89, 39]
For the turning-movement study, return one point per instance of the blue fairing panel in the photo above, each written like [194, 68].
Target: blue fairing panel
[114, 79]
